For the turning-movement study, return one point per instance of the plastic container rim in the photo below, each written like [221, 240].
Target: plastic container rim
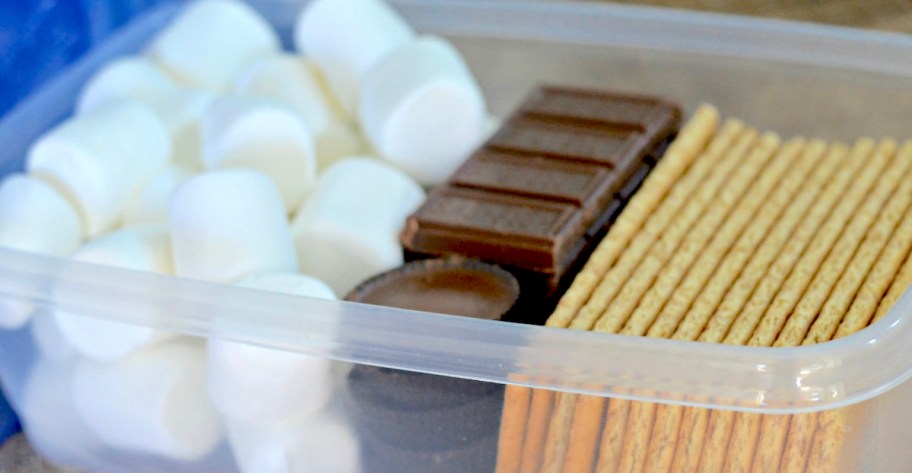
[780, 380]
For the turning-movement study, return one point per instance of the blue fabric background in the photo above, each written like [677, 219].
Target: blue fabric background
[40, 37]
[8, 423]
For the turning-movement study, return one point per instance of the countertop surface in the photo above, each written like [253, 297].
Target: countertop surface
[889, 15]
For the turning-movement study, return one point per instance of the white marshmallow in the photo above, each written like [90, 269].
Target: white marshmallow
[100, 159]
[265, 136]
[151, 402]
[211, 41]
[34, 217]
[138, 79]
[143, 248]
[132, 77]
[296, 83]
[228, 224]
[49, 339]
[152, 203]
[49, 417]
[266, 386]
[323, 443]
[348, 229]
[422, 110]
[346, 38]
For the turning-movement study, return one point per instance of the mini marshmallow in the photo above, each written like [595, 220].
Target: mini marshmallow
[346, 38]
[422, 110]
[152, 203]
[323, 443]
[100, 159]
[296, 83]
[228, 224]
[151, 402]
[265, 136]
[138, 79]
[211, 41]
[34, 217]
[267, 386]
[49, 417]
[49, 339]
[142, 248]
[348, 229]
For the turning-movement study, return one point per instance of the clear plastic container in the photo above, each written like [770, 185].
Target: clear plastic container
[792, 78]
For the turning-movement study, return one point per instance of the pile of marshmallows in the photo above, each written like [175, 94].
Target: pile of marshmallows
[218, 157]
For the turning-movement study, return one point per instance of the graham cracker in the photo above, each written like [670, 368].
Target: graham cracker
[797, 212]
[559, 433]
[655, 227]
[774, 429]
[897, 288]
[612, 436]
[691, 434]
[536, 429]
[690, 142]
[861, 265]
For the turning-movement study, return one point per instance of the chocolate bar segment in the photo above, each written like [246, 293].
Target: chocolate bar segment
[542, 191]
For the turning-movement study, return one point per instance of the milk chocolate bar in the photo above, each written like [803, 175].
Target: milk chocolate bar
[544, 189]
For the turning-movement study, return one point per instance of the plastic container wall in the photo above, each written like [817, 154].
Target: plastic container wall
[794, 79]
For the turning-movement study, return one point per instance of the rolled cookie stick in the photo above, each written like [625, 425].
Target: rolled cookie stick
[349, 227]
[265, 136]
[143, 248]
[211, 41]
[49, 418]
[265, 386]
[136, 78]
[228, 224]
[152, 402]
[346, 38]
[34, 218]
[296, 83]
[100, 159]
[422, 110]
[320, 443]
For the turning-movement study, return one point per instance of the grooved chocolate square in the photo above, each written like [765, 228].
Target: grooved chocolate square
[541, 192]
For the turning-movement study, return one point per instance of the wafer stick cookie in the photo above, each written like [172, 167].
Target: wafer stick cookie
[876, 284]
[711, 161]
[757, 305]
[828, 272]
[841, 255]
[719, 185]
[512, 428]
[662, 446]
[897, 289]
[655, 226]
[680, 230]
[750, 241]
[875, 240]
[698, 263]
[722, 240]
[690, 143]
[836, 194]
[645, 273]
[808, 208]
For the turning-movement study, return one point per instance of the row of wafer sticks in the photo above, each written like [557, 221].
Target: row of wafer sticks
[740, 238]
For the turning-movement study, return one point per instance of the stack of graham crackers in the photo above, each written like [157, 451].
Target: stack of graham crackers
[736, 237]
